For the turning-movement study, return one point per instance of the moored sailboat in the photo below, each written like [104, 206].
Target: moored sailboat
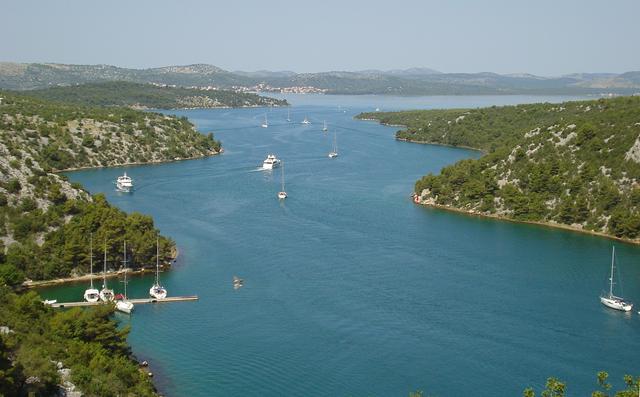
[106, 294]
[282, 194]
[91, 294]
[124, 304]
[334, 150]
[157, 290]
[610, 300]
[265, 123]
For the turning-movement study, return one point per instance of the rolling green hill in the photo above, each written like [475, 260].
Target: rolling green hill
[417, 81]
[575, 164]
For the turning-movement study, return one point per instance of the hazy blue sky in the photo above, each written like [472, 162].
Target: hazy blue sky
[546, 37]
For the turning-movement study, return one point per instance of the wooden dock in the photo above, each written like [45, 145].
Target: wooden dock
[141, 301]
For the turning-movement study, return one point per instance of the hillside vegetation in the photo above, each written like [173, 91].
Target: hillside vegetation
[575, 164]
[42, 351]
[45, 221]
[121, 93]
[417, 81]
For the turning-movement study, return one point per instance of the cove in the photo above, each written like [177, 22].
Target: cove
[350, 289]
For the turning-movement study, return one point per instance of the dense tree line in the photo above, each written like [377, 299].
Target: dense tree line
[569, 163]
[121, 93]
[87, 341]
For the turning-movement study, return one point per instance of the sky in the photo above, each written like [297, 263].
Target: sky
[543, 37]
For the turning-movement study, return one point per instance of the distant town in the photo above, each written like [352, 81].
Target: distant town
[255, 89]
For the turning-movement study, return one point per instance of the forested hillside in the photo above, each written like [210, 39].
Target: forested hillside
[575, 164]
[46, 222]
[121, 93]
[42, 351]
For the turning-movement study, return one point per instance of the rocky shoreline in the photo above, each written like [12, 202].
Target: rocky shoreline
[553, 225]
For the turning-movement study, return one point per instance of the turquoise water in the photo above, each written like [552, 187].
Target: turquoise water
[350, 289]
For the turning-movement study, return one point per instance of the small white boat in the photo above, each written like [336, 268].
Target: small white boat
[610, 300]
[324, 128]
[306, 120]
[123, 303]
[106, 294]
[49, 301]
[237, 282]
[124, 183]
[265, 123]
[270, 162]
[334, 150]
[282, 194]
[91, 294]
[157, 290]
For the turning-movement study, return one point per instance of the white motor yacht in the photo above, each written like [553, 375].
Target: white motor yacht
[124, 183]
[270, 162]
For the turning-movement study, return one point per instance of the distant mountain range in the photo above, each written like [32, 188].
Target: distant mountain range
[415, 81]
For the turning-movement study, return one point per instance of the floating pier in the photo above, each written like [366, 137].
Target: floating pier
[141, 301]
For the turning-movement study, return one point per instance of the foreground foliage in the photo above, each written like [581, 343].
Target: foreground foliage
[574, 164]
[87, 341]
[557, 388]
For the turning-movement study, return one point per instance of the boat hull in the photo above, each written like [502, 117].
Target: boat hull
[158, 293]
[92, 295]
[124, 306]
[616, 303]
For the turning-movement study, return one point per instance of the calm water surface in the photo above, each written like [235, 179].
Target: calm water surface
[350, 289]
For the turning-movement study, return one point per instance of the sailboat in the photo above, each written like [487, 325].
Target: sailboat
[325, 129]
[91, 294]
[106, 294]
[289, 115]
[158, 291]
[282, 194]
[265, 123]
[124, 304]
[610, 300]
[306, 120]
[334, 150]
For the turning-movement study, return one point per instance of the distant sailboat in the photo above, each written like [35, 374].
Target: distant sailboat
[334, 150]
[106, 294]
[325, 129]
[289, 115]
[265, 123]
[306, 120]
[91, 294]
[282, 194]
[158, 291]
[610, 300]
[124, 304]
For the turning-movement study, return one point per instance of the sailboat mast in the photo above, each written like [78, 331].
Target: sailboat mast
[157, 262]
[104, 271]
[124, 263]
[613, 255]
[91, 258]
[282, 176]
